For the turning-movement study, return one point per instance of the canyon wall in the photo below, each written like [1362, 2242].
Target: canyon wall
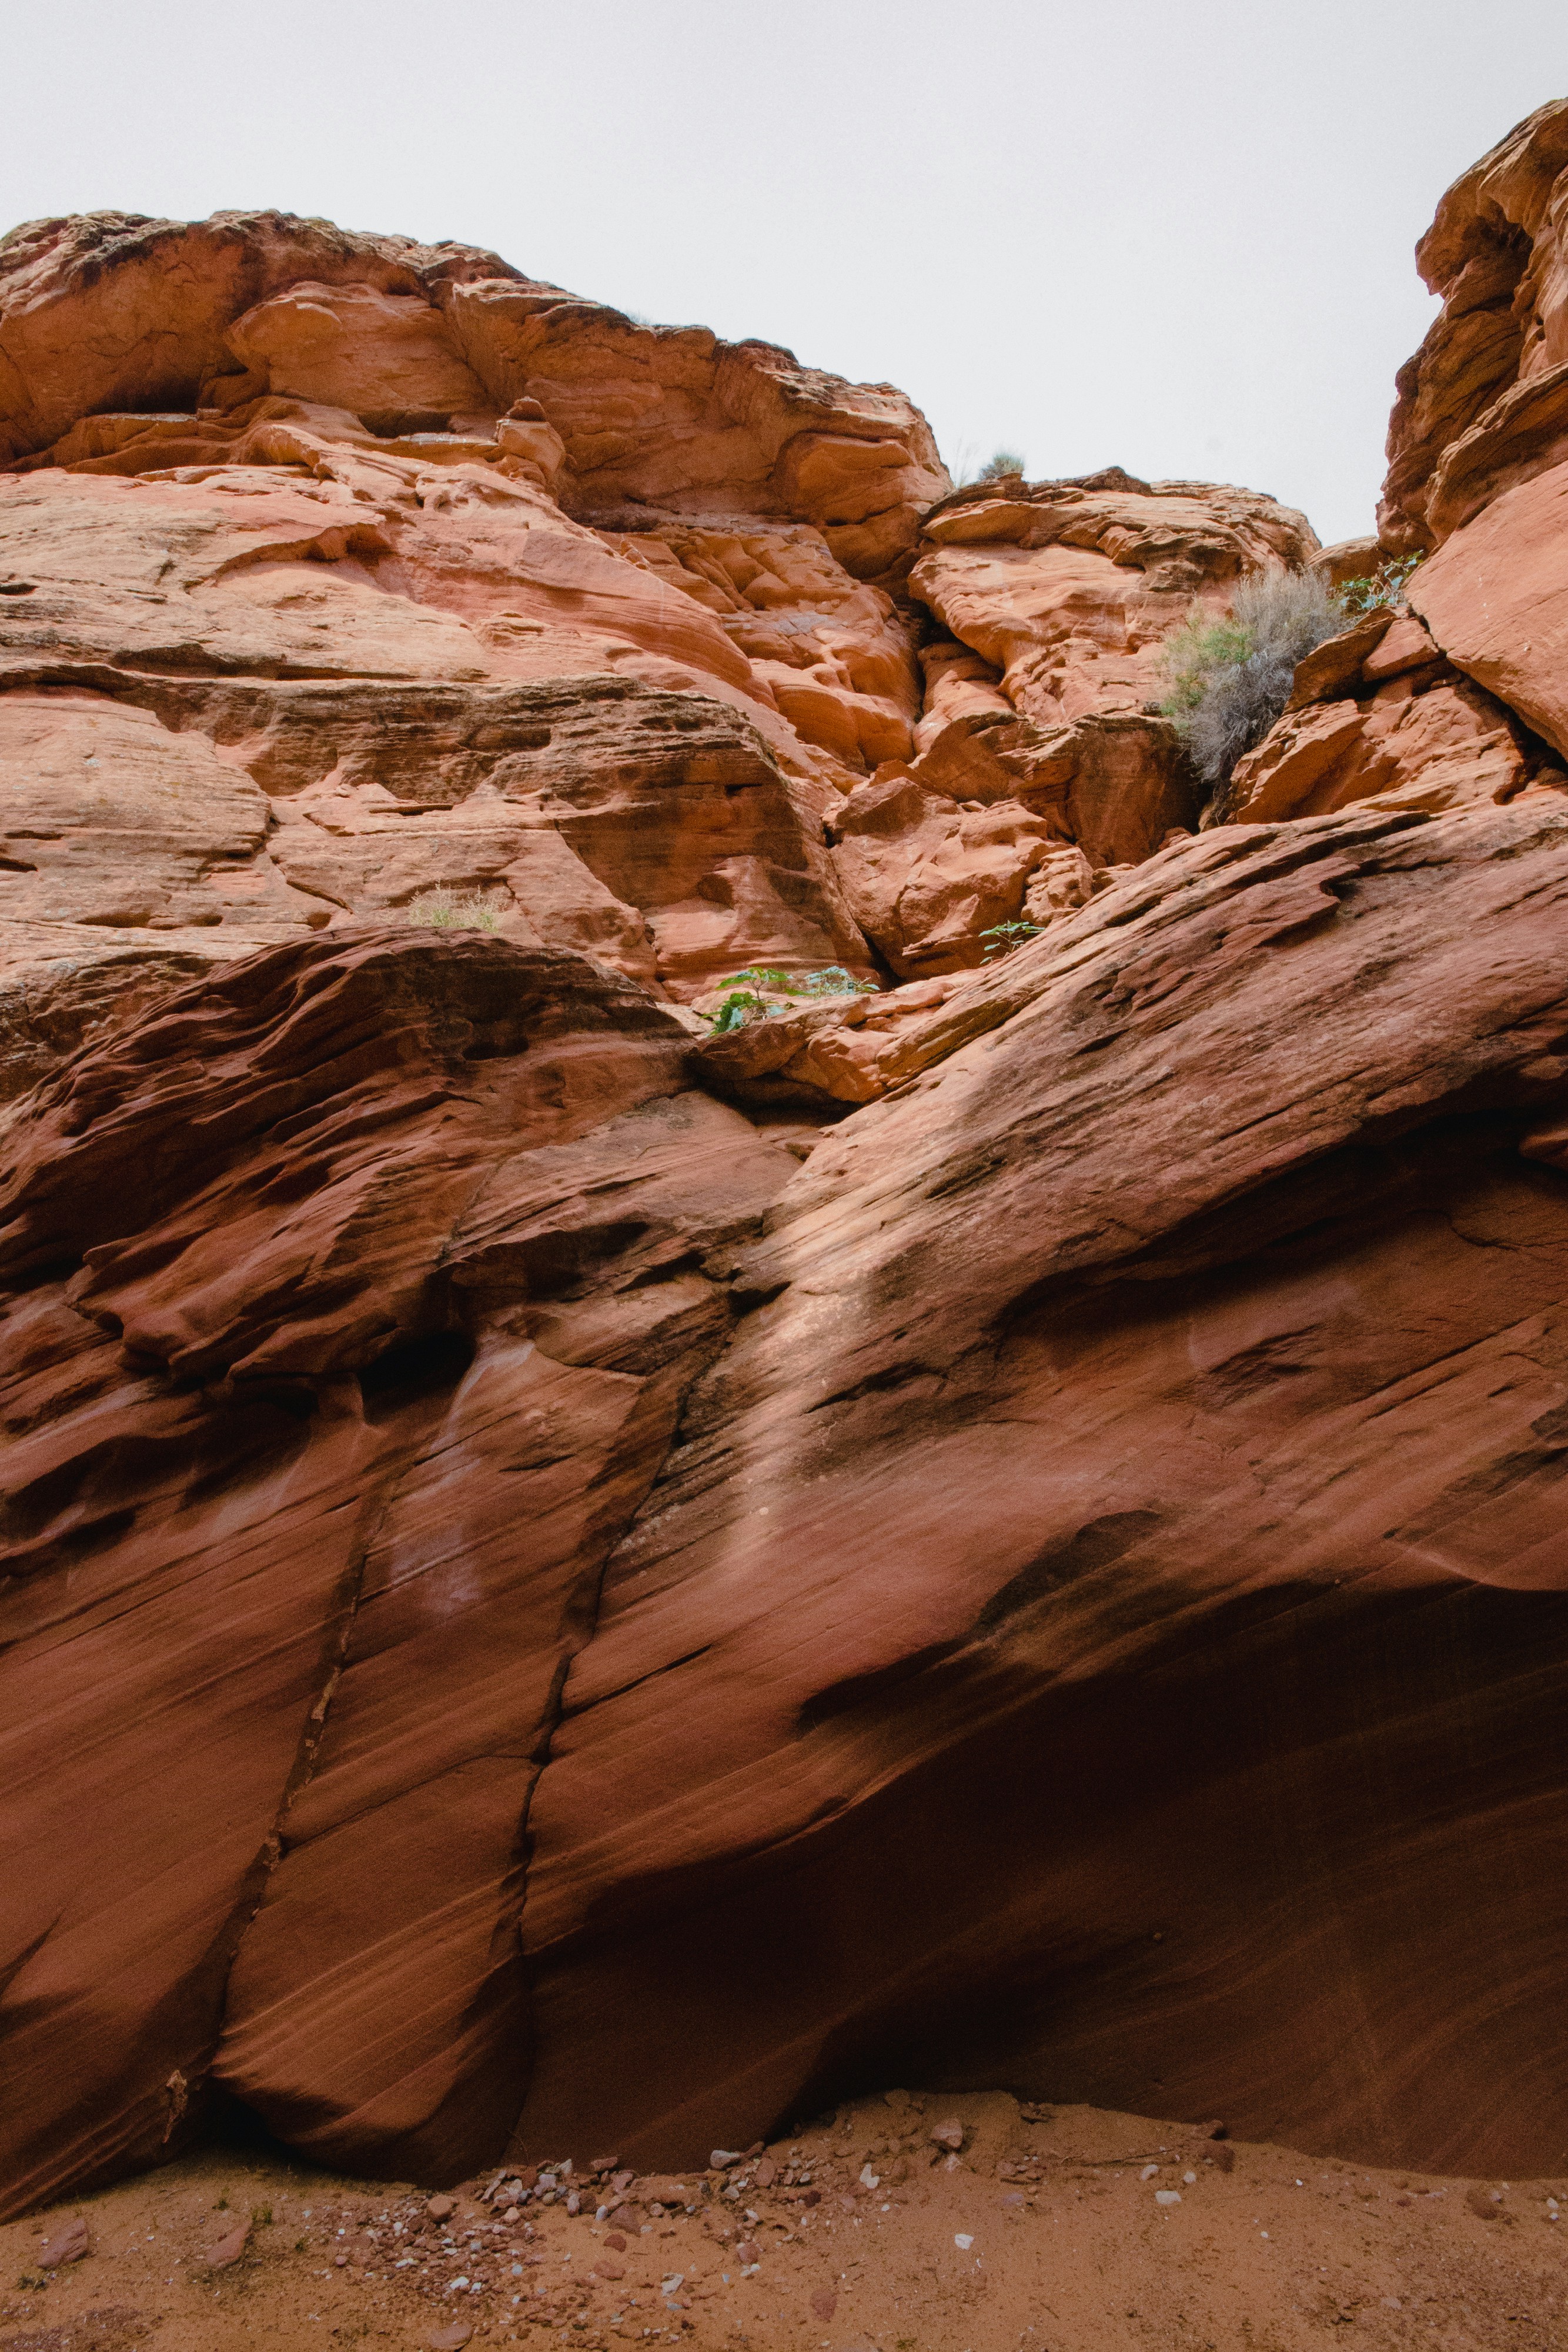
[575, 1575]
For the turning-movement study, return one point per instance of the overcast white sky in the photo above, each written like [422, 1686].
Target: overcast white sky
[1174, 235]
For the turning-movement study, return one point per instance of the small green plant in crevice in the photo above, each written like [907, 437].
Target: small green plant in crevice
[743, 1006]
[446, 910]
[835, 980]
[759, 975]
[1386, 585]
[1004, 461]
[1002, 938]
[832, 979]
[745, 1003]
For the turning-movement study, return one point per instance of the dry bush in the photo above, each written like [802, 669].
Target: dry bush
[446, 910]
[1231, 679]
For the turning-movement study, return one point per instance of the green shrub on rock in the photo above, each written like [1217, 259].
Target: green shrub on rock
[1386, 585]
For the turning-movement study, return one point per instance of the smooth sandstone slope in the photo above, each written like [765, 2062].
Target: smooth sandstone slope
[388, 1258]
[1103, 1621]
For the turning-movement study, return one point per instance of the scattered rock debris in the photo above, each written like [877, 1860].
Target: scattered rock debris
[978, 2225]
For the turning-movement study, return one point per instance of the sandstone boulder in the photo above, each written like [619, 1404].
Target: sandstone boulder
[386, 356]
[1495, 597]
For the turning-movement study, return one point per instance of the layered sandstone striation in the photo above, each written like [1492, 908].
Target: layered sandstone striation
[314, 543]
[391, 1247]
[575, 1576]
[1079, 1528]
[1460, 698]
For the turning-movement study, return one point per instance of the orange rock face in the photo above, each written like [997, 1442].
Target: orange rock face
[341, 1143]
[1466, 700]
[256, 449]
[1397, 725]
[1484, 401]
[1030, 1563]
[583, 1572]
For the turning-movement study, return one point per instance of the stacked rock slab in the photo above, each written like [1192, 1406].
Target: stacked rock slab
[296, 527]
[1463, 698]
[1043, 731]
[536, 1620]
[325, 507]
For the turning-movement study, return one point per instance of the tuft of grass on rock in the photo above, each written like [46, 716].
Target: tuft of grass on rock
[746, 1004]
[445, 909]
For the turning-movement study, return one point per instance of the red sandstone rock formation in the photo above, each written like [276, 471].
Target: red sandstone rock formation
[533, 1617]
[1483, 405]
[1378, 715]
[433, 1215]
[1042, 729]
[1463, 699]
[1046, 1621]
[394, 486]
[323, 513]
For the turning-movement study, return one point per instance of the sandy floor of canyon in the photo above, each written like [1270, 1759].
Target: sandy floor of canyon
[1057, 2229]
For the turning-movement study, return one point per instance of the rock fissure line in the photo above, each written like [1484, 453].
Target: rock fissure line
[311, 1737]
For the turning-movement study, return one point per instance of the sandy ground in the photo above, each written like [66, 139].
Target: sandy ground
[1055, 2230]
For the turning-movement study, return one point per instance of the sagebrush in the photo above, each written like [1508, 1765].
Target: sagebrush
[965, 468]
[1230, 678]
